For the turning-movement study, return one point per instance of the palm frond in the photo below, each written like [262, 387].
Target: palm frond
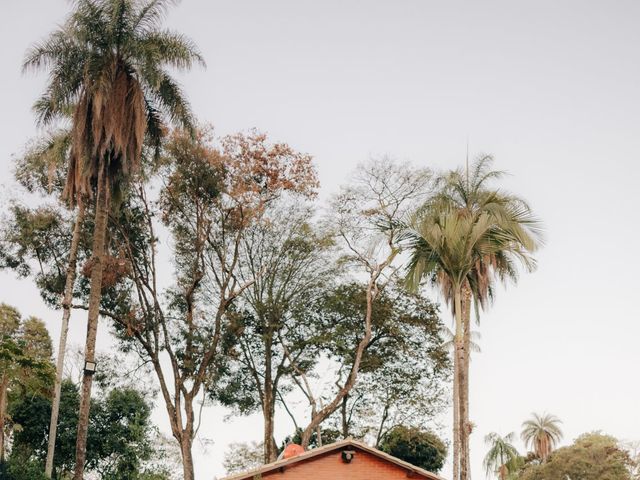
[170, 49]
[501, 454]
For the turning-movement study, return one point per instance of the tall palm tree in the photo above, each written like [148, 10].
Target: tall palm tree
[542, 433]
[108, 66]
[470, 190]
[501, 455]
[459, 243]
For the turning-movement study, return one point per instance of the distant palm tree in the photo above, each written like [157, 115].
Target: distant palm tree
[108, 67]
[501, 455]
[542, 433]
[461, 239]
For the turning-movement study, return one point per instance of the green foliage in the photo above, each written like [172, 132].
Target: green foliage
[25, 354]
[421, 448]
[43, 166]
[25, 370]
[21, 467]
[120, 440]
[400, 323]
[240, 457]
[396, 386]
[593, 456]
[328, 435]
[35, 242]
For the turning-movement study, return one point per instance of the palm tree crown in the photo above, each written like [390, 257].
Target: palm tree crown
[542, 433]
[469, 191]
[471, 233]
[108, 68]
[501, 455]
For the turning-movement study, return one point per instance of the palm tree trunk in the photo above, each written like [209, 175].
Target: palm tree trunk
[98, 254]
[464, 394]
[456, 419]
[4, 386]
[503, 472]
[66, 305]
[461, 379]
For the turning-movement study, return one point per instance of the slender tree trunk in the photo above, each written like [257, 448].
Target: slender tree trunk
[267, 439]
[268, 413]
[186, 443]
[343, 413]
[4, 386]
[460, 353]
[319, 435]
[62, 347]
[466, 307]
[184, 436]
[99, 240]
[379, 435]
[268, 407]
[456, 417]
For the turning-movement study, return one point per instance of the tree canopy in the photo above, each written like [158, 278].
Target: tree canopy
[421, 448]
[593, 456]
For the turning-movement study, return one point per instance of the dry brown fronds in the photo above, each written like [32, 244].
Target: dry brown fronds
[108, 131]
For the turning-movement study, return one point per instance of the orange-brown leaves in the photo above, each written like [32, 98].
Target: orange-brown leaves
[114, 270]
[257, 172]
[238, 178]
[257, 169]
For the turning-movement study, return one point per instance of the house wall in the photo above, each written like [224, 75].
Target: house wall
[331, 467]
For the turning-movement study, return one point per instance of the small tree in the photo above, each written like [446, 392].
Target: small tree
[241, 457]
[421, 448]
[25, 362]
[119, 444]
[396, 386]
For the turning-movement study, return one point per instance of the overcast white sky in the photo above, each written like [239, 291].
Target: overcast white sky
[552, 89]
